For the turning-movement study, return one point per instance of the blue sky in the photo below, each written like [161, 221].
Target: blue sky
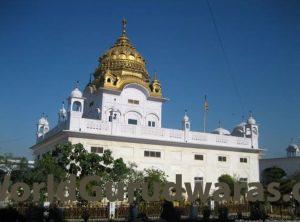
[45, 46]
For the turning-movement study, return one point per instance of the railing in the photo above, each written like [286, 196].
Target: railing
[155, 209]
[163, 134]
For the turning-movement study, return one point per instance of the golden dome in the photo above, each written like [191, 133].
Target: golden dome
[122, 64]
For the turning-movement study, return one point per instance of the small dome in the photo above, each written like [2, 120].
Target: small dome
[76, 93]
[221, 131]
[43, 121]
[251, 120]
[238, 130]
[292, 148]
[241, 125]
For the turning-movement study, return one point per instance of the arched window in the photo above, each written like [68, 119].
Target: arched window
[41, 129]
[187, 126]
[76, 106]
[152, 120]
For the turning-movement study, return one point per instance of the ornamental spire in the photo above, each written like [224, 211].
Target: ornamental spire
[124, 22]
[155, 76]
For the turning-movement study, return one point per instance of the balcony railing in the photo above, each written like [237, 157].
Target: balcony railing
[163, 134]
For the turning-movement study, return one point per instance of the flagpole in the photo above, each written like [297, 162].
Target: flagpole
[205, 113]
[204, 121]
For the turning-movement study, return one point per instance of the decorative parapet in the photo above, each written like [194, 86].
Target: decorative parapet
[161, 134]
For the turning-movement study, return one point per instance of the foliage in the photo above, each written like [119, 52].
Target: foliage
[295, 177]
[150, 176]
[229, 180]
[66, 159]
[16, 165]
[153, 176]
[276, 174]
[22, 172]
[45, 166]
[272, 174]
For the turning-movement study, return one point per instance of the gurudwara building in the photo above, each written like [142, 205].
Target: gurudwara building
[121, 110]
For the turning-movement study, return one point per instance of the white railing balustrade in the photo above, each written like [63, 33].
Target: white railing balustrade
[172, 135]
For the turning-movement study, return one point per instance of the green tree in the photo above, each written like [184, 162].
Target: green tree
[229, 180]
[154, 176]
[45, 166]
[272, 174]
[276, 174]
[149, 176]
[74, 159]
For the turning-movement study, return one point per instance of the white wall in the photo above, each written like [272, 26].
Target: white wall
[180, 160]
[147, 109]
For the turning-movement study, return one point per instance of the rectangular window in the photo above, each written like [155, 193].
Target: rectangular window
[132, 101]
[96, 149]
[198, 157]
[244, 180]
[222, 158]
[132, 121]
[152, 154]
[243, 160]
[151, 123]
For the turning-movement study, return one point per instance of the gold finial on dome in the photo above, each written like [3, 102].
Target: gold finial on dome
[155, 87]
[124, 22]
